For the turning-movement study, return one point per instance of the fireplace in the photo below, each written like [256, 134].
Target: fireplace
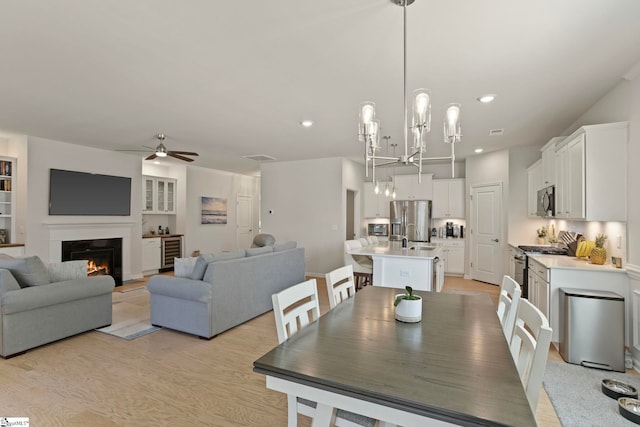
[104, 256]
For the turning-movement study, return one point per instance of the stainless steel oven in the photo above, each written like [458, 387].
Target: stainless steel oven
[520, 263]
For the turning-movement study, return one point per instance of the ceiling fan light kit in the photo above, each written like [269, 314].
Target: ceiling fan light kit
[161, 151]
[369, 126]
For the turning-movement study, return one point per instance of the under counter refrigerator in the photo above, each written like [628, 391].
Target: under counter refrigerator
[410, 218]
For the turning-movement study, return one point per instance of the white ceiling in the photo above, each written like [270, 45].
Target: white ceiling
[234, 78]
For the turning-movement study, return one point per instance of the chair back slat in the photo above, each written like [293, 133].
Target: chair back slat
[295, 307]
[340, 285]
[530, 347]
[508, 304]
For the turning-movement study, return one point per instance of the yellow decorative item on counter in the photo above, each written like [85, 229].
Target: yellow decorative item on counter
[584, 248]
[598, 254]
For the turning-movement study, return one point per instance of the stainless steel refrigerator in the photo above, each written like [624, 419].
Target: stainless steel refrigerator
[410, 219]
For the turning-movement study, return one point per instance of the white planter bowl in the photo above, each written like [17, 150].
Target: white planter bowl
[409, 311]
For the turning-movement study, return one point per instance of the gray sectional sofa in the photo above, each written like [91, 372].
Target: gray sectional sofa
[40, 304]
[224, 290]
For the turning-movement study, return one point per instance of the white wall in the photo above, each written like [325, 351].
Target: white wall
[44, 154]
[304, 201]
[612, 107]
[212, 183]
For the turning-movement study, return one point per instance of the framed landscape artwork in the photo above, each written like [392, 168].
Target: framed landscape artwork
[214, 210]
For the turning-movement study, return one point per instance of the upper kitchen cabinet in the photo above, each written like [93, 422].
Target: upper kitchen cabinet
[534, 182]
[375, 205]
[158, 195]
[408, 188]
[549, 161]
[448, 198]
[591, 171]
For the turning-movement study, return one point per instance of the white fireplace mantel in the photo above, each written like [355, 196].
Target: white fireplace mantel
[59, 232]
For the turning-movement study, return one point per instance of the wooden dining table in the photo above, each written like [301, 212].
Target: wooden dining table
[453, 367]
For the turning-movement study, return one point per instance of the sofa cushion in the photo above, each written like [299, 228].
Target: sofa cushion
[183, 267]
[285, 246]
[67, 270]
[224, 256]
[28, 271]
[7, 282]
[259, 251]
[200, 266]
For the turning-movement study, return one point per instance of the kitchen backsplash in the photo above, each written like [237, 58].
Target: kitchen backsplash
[616, 244]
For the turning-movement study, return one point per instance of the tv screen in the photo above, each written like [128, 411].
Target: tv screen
[80, 193]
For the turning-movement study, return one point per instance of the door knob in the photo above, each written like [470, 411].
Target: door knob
[496, 240]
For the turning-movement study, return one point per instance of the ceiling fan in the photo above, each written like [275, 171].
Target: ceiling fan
[161, 151]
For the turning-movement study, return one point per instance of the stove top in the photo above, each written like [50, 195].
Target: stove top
[546, 250]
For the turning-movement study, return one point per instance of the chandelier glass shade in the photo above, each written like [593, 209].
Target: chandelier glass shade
[369, 129]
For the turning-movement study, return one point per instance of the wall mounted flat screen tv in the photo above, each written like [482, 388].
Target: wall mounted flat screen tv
[80, 193]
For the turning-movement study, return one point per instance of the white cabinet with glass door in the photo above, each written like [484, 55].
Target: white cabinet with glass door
[7, 200]
[158, 195]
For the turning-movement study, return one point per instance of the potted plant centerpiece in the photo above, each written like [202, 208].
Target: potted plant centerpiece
[408, 307]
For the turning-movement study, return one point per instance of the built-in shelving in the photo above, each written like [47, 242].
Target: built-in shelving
[7, 199]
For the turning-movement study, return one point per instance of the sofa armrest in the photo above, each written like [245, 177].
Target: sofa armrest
[67, 270]
[180, 288]
[33, 297]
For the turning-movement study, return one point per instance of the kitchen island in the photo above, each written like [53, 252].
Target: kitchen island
[417, 265]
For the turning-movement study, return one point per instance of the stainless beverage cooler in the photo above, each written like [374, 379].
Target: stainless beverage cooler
[592, 328]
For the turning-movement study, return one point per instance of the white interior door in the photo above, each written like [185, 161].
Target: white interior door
[486, 233]
[244, 221]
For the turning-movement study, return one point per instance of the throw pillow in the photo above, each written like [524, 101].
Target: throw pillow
[259, 251]
[183, 267]
[7, 282]
[284, 246]
[263, 240]
[200, 266]
[28, 271]
[67, 270]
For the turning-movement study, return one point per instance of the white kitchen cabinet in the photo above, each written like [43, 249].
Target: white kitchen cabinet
[534, 183]
[375, 205]
[408, 188]
[549, 161]
[158, 195]
[448, 198]
[151, 253]
[452, 254]
[538, 282]
[593, 172]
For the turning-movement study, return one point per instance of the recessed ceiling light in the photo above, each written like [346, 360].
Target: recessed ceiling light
[307, 123]
[478, 150]
[487, 98]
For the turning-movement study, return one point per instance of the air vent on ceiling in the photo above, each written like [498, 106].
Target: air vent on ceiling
[496, 132]
[260, 157]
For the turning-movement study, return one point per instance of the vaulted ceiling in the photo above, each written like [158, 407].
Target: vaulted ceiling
[236, 78]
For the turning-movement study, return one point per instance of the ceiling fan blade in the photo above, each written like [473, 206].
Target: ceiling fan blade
[178, 156]
[187, 153]
[135, 151]
[151, 157]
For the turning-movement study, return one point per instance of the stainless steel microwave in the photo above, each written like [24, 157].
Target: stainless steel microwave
[378, 230]
[547, 202]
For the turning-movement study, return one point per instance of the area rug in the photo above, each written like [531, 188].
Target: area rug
[130, 315]
[575, 393]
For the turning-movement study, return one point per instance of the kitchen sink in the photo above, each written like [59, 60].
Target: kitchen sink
[422, 248]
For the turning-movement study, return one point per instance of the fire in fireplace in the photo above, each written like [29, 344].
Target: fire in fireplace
[104, 256]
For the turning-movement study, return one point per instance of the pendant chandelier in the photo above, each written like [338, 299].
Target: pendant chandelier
[369, 126]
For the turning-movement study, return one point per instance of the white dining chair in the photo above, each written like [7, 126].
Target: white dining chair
[530, 348]
[508, 305]
[294, 308]
[364, 242]
[362, 265]
[340, 285]
[374, 240]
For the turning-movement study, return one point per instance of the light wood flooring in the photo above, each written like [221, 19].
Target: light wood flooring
[166, 378]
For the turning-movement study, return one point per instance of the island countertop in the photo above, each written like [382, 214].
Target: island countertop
[395, 250]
